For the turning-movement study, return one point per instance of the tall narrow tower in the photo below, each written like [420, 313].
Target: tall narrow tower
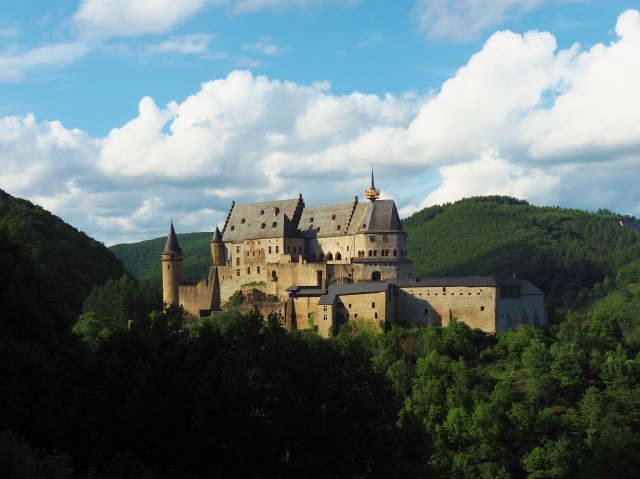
[172, 269]
[217, 248]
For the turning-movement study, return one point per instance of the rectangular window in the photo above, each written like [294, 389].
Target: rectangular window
[277, 247]
[373, 305]
[324, 317]
[237, 249]
[247, 253]
[324, 308]
[481, 308]
[375, 316]
[269, 249]
[258, 269]
[237, 272]
[248, 269]
[237, 261]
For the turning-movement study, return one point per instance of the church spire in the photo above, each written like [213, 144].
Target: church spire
[372, 194]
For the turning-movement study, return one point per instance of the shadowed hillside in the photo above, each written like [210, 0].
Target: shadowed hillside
[71, 261]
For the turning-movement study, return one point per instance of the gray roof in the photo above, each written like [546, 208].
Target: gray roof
[375, 216]
[347, 289]
[529, 289]
[329, 220]
[471, 281]
[172, 246]
[217, 236]
[271, 219]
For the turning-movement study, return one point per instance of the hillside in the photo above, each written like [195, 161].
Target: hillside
[564, 252]
[142, 259]
[72, 262]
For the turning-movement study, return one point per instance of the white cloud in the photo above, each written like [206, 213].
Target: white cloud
[107, 18]
[464, 19]
[112, 18]
[520, 118]
[14, 63]
[265, 47]
[186, 44]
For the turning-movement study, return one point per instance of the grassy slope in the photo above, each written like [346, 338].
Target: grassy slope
[624, 303]
[143, 259]
[72, 260]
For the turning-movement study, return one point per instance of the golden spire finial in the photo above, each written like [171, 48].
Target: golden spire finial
[372, 194]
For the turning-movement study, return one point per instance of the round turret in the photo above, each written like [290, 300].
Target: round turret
[217, 248]
[172, 269]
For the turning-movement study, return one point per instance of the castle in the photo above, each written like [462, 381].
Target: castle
[326, 265]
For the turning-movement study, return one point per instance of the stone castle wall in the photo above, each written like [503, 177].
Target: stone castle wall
[476, 306]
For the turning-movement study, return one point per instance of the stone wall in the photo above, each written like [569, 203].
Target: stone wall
[476, 306]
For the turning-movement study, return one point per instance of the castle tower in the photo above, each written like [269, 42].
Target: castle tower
[217, 248]
[172, 272]
[372, 194]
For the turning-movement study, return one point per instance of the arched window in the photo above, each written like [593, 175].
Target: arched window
[375, 252]
[370, 253]
[395, 253]
[274, 276]
[338, 256]
[375, 276]
[329, 257]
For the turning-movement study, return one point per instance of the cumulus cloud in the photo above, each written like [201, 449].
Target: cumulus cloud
[15, 62]
[464, 19]
[520, 118]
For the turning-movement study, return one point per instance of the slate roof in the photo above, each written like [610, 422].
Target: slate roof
[471, 281]
[217, 236]
[376, 216]
[329, 220]
[347, 289]
[529, 289]
[256, 220]
[172, 246]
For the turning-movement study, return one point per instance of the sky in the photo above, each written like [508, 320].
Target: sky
[122, 115]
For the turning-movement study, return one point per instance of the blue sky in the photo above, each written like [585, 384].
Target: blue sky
[117, 115]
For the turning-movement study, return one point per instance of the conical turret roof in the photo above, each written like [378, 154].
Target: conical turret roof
[172, 246]
[217, 236]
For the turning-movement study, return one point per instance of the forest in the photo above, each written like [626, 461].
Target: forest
[123, 388]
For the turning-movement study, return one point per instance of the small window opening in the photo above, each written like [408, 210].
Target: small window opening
[232, 228]
[242, 221]
[261, 212]
[333, 217]
[481, 308]
[263, 225]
